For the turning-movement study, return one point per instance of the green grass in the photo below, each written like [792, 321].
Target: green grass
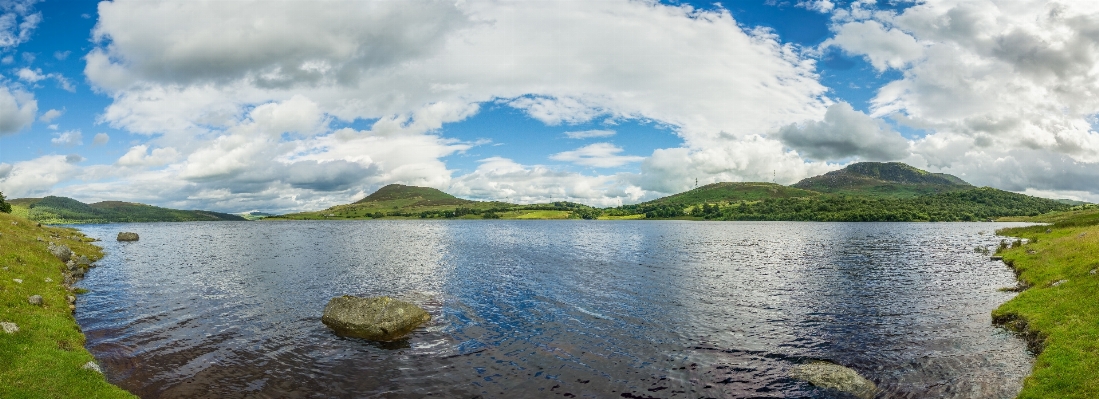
[44, 358]
[541, 215]
[1059, 313]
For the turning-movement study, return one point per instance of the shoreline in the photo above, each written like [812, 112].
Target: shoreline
[1055, 312]
[46, 356]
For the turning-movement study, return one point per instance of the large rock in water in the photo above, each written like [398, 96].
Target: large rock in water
[127, 236]
[377, 318]
[834, 376]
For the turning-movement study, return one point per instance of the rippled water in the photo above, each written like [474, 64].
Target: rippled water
[544, 308]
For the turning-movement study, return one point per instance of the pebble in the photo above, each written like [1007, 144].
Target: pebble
[92, 366]
[49, 280]
[9, 327]
[20, 281]
[35, 300]
[1058, 282]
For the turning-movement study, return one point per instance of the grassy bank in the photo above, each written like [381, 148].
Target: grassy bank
[1058, 312]
[44, 358]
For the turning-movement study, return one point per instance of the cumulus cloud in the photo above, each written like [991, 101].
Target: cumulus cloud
[996, 81]
[140, 155]
[587, 134]
[35, 177]
[68, 139]
[35, 75]
[50, 115]
[175, 74]
[500, 178]
[599, 155]
[884, 47]
[101, 138]
[845, 133]
[74, 158]
[17, 109]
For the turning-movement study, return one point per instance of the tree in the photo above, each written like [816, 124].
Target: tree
[4, 205]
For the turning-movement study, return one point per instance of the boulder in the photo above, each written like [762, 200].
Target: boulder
[83, 260]
[127, 236]
[35, 300]
[376, 318]
[61, 252]
[833, 376]
[9, 327]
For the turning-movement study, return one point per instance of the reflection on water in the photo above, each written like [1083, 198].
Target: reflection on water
[546, 308]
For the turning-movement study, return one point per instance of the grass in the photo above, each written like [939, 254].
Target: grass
[44, 358]
[542, 215]
[1058, 314]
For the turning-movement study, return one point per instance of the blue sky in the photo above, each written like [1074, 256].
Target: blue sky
[240, 106]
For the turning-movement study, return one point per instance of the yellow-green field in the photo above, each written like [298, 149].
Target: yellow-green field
[1059, 313]
[44, 358]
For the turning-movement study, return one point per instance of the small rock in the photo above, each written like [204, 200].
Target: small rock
[39, 225]
[834, 376]
[9, 327]
[38, 238]
[1058, 282]
[17, 280]
[71, 299]
[1031, 251]
[71, 265]
[72, 307]
[377, 318]
[92, 366]
[127, 236]
[1083, 234]
[1049, 231]
[35, 300]
[1093, 271]
[49, 280]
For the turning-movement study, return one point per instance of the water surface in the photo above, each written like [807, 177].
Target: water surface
[545, 308]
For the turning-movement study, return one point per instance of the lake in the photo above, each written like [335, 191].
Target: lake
[632, 309]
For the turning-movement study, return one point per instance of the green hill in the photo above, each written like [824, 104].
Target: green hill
[727, 192]
[878, 179]
[64, 210]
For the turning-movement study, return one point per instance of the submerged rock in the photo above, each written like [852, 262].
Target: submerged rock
[61, 252]
[376, 318]
[9, 327]
[127, 236]
[834, 376]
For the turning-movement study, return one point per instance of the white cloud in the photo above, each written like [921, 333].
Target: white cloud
[35, 177]
[175, 74]
[101, 138]
[844, 133]
[35, 75]
[504, 179]
[68, 138]
[587, 134]
[141, 156]
[885, 47]
[1008, 90]
[61, 55]
[50, 115]
[17, 109]
[17, 22]
[599, 155]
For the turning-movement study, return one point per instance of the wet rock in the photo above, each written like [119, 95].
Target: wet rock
[92, 366]
[997, 258]
[78, 273]
[9, 327]
[127, 236]
[35, 300]
[1058, 282]
[376, 318]
[61, 252]
[834, 376]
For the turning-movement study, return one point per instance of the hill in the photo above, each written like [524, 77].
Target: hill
[64, 210]
[401, 201]
[880, 179]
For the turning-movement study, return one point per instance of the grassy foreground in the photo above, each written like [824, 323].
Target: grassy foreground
[44, 358]
[1059, 313]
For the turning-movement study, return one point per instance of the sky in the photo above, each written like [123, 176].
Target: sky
[282, 106]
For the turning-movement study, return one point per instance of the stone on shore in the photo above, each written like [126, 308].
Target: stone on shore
[82, 261]
[92, 366]
[35, 300]
[9, 327]
[61, 252]
[127, 236]
[376, 318]
[834, 376]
